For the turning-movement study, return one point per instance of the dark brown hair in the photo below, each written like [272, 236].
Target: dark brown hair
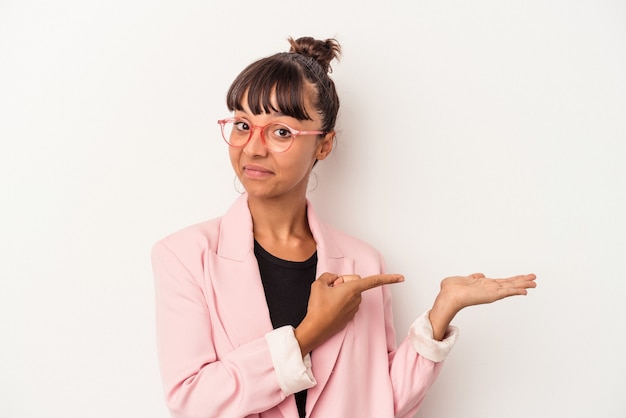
[290, 75]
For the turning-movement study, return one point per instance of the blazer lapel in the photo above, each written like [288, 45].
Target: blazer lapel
[331, 260]
[237, 280]
[244, 308]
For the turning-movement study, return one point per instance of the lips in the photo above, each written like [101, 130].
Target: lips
[254, 171]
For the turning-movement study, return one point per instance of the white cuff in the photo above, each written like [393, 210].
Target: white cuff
[293, 372]
[421, 338]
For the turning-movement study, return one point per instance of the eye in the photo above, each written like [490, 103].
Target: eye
[241, 126]
[281, 131]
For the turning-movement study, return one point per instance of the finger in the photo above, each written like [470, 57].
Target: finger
[376, 280]
[328, 278]
[525, 276]
[345, 278]
[523, 280]
[528, 280]
[338, 281]
[476, 276]
[531, 276]
[516, 285]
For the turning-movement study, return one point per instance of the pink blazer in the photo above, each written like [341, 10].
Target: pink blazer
[212, 317]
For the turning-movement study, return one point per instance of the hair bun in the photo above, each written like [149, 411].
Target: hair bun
[321, 51]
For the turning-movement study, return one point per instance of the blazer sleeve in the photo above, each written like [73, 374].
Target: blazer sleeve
[196, 382]
[415, 364]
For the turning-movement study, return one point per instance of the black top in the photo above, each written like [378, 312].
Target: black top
[287, 286]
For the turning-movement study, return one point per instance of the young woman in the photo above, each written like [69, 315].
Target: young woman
[269, 312]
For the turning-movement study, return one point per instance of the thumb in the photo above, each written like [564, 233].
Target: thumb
[327, 278]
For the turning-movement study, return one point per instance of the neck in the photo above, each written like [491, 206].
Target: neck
[277, 218]
[282, 228]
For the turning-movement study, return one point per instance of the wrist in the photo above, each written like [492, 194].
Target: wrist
[304, 336]
[441, 314]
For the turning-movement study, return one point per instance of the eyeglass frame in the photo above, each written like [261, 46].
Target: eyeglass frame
[294, 132]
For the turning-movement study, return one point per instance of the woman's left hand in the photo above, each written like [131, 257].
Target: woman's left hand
[459, 292]
[476, 289]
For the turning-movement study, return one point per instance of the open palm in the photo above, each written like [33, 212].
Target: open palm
[476, 289]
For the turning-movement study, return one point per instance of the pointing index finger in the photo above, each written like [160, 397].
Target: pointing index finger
[377, 280]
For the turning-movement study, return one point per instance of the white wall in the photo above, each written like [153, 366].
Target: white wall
[475, 136]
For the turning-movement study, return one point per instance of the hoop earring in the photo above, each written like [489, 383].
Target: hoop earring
[238, 186]
[315, 182]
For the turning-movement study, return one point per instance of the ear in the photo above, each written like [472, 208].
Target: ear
[325, 146]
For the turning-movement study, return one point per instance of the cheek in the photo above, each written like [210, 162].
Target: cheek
[234, 154]
[305, 163]
[293, 165]
[305, 158]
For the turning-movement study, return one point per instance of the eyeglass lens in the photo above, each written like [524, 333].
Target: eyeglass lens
[277, 137]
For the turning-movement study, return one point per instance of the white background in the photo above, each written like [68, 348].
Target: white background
[474, 136]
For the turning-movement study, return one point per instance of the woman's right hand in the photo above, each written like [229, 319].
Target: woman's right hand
[333, 302]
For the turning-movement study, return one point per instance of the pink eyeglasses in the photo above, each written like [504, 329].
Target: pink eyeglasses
[277, 137]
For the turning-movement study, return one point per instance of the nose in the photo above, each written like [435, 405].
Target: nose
[256, 143]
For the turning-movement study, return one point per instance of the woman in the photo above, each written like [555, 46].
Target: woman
[268, 312]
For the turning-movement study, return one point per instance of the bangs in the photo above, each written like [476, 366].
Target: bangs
[273, 84]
